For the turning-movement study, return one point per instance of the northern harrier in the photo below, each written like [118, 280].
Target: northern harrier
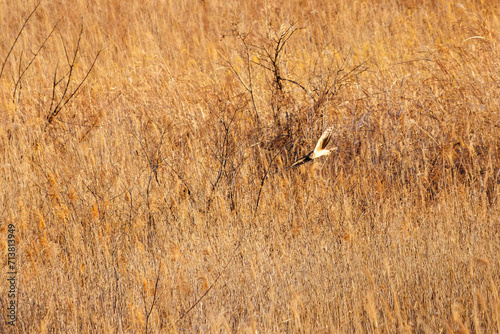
[319, 150]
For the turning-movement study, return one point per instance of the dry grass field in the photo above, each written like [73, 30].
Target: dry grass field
[144, 154]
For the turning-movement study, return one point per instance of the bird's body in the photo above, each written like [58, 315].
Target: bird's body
[319, 150]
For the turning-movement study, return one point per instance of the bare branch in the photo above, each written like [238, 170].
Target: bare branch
[55, 110]
[266, 174]
[33, 59]
[17, 37]
[148, 313]
[211, 286]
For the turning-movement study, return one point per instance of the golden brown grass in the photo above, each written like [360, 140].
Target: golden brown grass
[165, 177]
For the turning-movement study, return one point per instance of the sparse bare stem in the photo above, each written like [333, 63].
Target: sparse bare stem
[17, 37]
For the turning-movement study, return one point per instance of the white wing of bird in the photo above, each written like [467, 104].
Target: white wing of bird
[319, 150]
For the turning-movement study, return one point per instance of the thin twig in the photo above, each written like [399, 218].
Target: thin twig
[148, 314]
[265, 177]
[211, 286]
[33, 59]
[62, 102]
[17, 37]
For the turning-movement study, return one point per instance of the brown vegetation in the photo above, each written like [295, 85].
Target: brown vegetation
[144, 154]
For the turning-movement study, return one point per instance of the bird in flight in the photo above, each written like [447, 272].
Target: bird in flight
[319, 150]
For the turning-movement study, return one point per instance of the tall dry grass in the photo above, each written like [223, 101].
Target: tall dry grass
[157, 199]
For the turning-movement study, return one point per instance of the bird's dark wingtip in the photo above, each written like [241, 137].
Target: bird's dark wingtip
[301, 161]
